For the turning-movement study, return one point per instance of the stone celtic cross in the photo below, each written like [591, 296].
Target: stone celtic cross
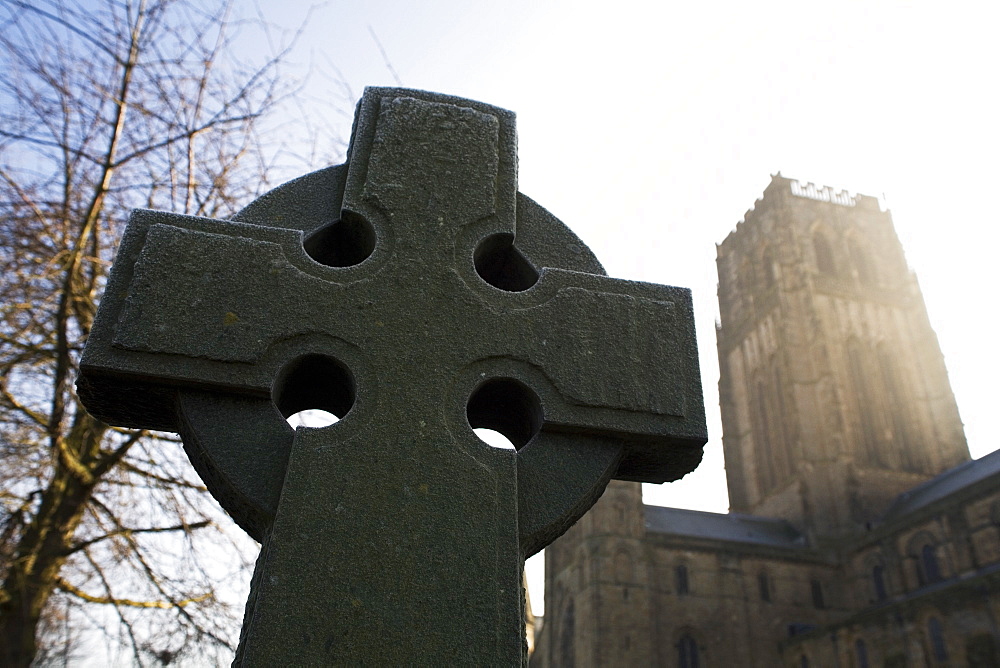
[415, 293]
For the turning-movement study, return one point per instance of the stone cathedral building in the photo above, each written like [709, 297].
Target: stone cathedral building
[859, 534]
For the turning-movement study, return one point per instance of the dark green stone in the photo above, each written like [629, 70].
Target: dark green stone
[415, 293]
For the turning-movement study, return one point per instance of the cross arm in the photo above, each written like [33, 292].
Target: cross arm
[193, 303]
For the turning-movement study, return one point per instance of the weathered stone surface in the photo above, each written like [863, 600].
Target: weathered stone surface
[416, 294]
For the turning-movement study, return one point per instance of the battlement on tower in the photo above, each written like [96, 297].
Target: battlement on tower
[782, 189]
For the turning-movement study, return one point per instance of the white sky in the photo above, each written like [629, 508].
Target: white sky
[651, 130]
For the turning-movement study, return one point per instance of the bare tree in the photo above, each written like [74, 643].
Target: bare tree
[130, 103]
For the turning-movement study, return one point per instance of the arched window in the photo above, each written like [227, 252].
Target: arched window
[861, 262]
[824, 254]
[864, 381]
[817, 594]
[681, 579]
[687, 652]
[862, 653]
[878, 579]
[897, 405]
[782, 448]
[929, 568]
[567, 644]
[936, 632]
[745, 282]
[767, 268]
[764, 585]
[762, 433]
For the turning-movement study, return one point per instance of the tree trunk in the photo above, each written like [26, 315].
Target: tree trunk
[42, 550]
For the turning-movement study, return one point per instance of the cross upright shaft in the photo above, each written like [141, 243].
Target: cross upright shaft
[414, 292]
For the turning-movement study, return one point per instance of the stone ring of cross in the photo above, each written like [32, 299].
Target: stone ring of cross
[416, 294]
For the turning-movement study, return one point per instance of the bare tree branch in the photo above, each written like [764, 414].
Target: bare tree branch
[128, 532]
[108, 600]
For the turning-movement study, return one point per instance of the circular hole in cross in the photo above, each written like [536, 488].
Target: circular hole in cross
[314, 391]
[507, 407]
[501, 265]
[345, 243]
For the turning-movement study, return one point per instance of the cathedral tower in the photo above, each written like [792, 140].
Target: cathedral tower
[837, 415]
[598, 587]
[833, 389]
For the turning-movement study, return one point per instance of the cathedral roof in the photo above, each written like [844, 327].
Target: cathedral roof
[765, 531]
[945, 484]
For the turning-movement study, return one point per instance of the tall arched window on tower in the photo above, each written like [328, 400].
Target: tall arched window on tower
[898, 405]
[871, 403]
[567, 634]
[687, 652]
[764, 460]
[745, 281]
[767, 268]
[781, 448]
[862, 380]
[824, 254]
[623, 567]
[862, 263]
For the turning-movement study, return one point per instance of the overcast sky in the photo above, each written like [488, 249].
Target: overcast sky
[650, 131]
